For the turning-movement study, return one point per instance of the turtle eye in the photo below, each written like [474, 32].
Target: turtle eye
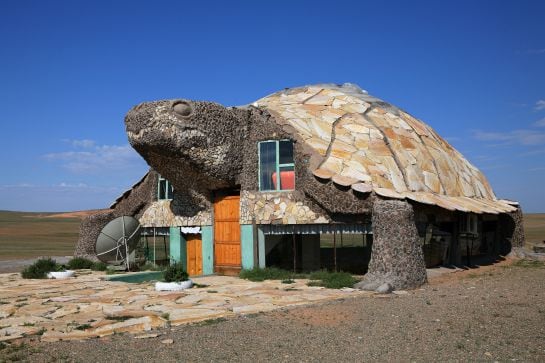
[182, 108]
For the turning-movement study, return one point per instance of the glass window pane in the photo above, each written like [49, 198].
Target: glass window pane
[170, 191]
[287, 178]
[162, 188]
[267, 165]
[286, 152]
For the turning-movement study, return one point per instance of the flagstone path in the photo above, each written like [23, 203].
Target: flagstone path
[89, 307]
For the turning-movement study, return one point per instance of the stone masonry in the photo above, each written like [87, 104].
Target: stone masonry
[397, 258]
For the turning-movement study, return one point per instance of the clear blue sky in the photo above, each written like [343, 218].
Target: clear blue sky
[70, 70]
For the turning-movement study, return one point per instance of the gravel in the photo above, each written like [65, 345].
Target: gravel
[495, 313]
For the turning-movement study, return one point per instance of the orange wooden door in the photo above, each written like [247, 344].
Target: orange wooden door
[227, 234]
[194, 254]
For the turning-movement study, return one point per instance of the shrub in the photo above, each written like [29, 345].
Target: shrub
[40, 268]
[175, 273]
[332, 280]
[77, 263]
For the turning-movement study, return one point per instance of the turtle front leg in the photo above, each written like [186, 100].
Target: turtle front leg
[397, 259]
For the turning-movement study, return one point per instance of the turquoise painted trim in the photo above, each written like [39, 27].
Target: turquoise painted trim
[261, 247]
[207, 250]
[175, 244]
[247, 246]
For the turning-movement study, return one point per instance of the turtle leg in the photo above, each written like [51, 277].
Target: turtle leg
[512, 232]
[397, 259]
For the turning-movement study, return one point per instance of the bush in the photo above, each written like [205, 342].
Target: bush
[332, 280]
[40, 268]
[175, 273]
[77, 263]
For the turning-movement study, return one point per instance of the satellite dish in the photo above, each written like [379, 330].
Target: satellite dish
[117, 240]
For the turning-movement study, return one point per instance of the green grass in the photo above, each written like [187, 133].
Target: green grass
[111, 271]
[529, 264]
[99, 266]
[211, 321]
[269, 273]
[27, 235]
[120, 317]
[332, 280]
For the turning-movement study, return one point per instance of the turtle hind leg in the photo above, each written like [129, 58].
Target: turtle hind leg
[397, 259]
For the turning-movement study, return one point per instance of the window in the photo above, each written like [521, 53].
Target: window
[276, 167]
[164, 189]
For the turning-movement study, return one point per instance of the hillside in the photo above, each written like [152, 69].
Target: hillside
[27, 234]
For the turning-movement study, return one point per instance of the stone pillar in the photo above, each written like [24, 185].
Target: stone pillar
[518, 233]
[397, 260]
[512, 231]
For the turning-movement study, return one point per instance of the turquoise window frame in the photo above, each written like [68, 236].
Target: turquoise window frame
[278, 165]
[167, 189]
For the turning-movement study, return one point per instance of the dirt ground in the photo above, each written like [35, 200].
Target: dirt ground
[494, 313]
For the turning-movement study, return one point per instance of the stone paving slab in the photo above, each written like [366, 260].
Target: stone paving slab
[88, 307]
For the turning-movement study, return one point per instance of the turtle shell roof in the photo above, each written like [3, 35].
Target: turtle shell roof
[366, 144]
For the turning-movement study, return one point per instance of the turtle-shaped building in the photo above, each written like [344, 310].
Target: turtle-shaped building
[321, 176]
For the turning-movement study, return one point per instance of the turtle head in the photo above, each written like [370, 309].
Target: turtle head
[203, 136]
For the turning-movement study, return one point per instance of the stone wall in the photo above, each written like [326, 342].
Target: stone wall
[277, 207]
[160, 214]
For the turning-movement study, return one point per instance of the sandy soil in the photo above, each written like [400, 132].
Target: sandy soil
[494, 313]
